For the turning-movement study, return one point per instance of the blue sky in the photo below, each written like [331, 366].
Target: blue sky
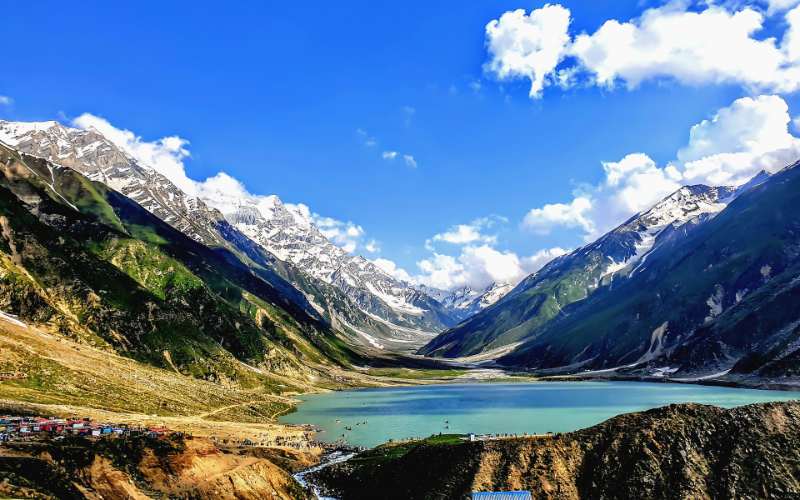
[309, 101]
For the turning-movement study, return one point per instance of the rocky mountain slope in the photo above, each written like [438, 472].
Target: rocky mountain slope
[712, 297]
[373, 309]
[140, 467]
[90, 153]
[293, 237]
[676, 452]
[571, 278]
[539, 298]
[465, 302]
[86, 262]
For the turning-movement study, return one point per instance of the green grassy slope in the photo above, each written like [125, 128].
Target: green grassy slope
[707, 277]
[96, 266]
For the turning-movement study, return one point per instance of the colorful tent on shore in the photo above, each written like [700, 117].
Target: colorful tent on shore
[501, 495]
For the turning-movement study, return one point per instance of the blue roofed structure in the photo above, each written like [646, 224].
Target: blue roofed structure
[501, 495]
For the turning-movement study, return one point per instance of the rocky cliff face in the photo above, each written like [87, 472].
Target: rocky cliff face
[676, 452]
[139, 468]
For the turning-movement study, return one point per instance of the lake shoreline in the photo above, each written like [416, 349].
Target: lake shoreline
[368, 417]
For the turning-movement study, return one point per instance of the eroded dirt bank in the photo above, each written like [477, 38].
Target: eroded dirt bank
[141, 467]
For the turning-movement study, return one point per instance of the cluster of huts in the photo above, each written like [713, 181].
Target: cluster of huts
[14, 427]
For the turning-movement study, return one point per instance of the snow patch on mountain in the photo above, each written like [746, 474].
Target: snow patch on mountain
[467, 302]
[93, 155]
[687, 204]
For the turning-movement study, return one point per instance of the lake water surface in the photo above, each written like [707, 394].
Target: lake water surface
[494, 408]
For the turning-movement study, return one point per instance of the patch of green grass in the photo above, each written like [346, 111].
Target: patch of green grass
[393, 451]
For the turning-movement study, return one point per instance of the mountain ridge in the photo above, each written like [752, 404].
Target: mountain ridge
[714, 299]
[572, 277]
[371, 307]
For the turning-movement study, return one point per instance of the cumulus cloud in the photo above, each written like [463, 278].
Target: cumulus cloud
[636, 182]
[222, 191]
[391, 268]
[477, 266]
[729, 148]
[466, 255]
[165, 155]
[408, 159]
[528, 45]
[538, 260]
[573, 214]
[750, 135]
[473, 232]
[715, 45]
[462, 234]
[6, 101]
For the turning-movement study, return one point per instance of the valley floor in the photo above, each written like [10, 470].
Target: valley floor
[234, 432]
[234, 448]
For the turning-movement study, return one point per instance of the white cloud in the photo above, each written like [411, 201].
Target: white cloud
[711, 46]
[365, 138]
[6, 101]
[165, 155]
[775, 6]
[635, 183]
[477, 262]
[389, 155]
[408, 159]
[573, 214]
[391, 268]
[479, 265]
[538, 260]
[732, 146]
[372, 246]
[462, 234]
[791, 39]
[750, 135]
[528, 45]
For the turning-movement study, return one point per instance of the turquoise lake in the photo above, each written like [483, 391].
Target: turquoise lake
[493, 408]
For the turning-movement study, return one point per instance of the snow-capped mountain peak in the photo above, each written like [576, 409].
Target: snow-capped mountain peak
[467, 301]
[98, 158]
[285, 230]
[627, 246]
